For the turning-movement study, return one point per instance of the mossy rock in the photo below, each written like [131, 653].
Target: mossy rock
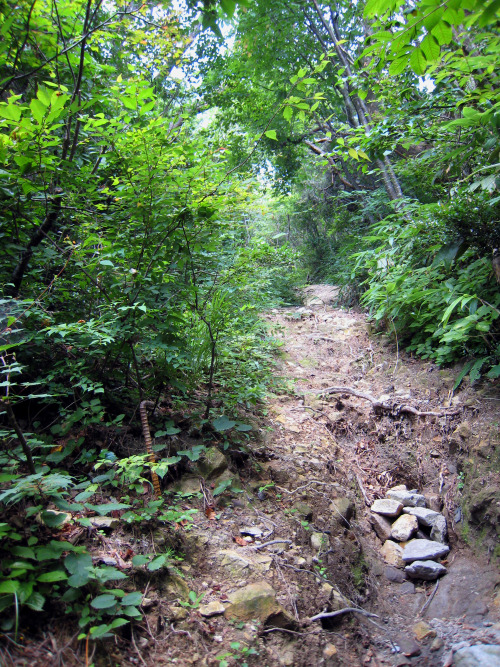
[213, 463]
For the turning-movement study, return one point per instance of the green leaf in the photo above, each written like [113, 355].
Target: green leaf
[100, 631]
[494, 372]
[36, 601]
[418, 62]
[55, 575]
[43, 94]
[157, 563]
[223, 424]
[75, 563]
[54, 519]
[271, 134]
[9, 586]
[11, 111]
[105, 601]
[139, 560]
[433, 18]
[228, 7]
[449, 310]
[110, 574]
[102, 510]
[243, 428]
[147, 107]
[489, 14]
[38, 110]
[23, 552]
[287, 113]
[462, 374]
[430, 47]
[132, 599]
[376, 8]
[442, 32]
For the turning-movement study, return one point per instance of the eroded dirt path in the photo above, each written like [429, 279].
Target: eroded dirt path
[319, 465]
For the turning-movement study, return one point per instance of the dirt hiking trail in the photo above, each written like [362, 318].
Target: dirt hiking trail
[300, 540]
[296, 570]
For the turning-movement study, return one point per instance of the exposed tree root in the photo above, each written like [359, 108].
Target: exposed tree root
[380, 406]
[340, 612]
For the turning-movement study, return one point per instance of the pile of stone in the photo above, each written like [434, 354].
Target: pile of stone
[414, 536]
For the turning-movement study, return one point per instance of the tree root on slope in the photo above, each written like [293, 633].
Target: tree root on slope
[381, 406]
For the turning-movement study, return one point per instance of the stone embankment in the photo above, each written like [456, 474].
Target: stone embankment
[413, 534]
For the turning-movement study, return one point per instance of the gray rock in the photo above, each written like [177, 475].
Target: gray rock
[104, 522]
[428, 570]
[437, 644]
[408, 646]
[395, 575]
[425, 516]
[258, 601]
[439, 532]
[214, 608]
[381, 526]
[424, 550]
[404, 527]
[407, 588]
[387, 507]
[392, 553]
[319, 541]
[240, 563]
[484, 655]
[343, 510]
[407, 498]
[434, 501]
[253, 531]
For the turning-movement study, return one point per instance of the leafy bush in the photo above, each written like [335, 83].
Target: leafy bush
[443, 305]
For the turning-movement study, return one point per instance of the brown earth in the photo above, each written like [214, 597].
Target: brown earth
[318, 462]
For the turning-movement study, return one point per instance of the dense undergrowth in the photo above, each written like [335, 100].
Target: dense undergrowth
[133, 268]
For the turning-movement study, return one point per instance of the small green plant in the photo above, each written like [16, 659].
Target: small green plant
[239, 652]
[265, 487]
[319, 567]
[113, 603]
[461, 480]
[193, 600]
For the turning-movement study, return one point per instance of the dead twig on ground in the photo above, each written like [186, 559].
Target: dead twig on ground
[268, 544]
[380, 406]
[137, 649]
[291, 632]
[304, 486]
[431, 597]
[340, 612]
[362, 489]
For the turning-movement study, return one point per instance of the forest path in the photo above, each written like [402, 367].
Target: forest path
[340, 437]
[300, 533]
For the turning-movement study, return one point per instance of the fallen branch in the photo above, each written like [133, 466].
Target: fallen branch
[362, 489]
[316, 337]
[380, 406]
[291, 632]
[304, 486]
[353, 610]
[430, 599]
[268, 544]
[340, 612]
